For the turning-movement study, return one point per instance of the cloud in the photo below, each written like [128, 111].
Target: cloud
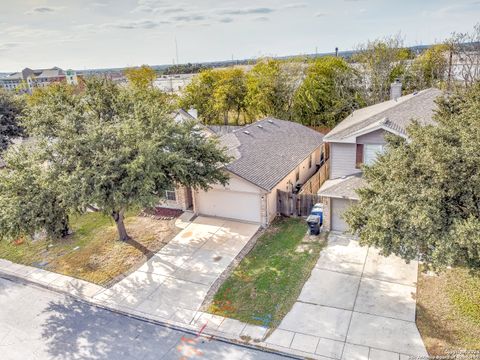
[320, 14]
[249, 11]
[226, 20]
[189, 18]
[295, 6]
[133, 25]
[149, 6]
[42, 10]
[261, 19]
[8, 46]
[173, 10]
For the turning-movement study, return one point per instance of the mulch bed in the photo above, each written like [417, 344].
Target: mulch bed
[161, 213]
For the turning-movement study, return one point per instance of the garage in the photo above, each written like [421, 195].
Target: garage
[244, 206]
[338, 208]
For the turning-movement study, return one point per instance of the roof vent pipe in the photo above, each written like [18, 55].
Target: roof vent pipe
[395, 89]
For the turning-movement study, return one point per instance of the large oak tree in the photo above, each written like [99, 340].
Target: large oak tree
[423, 195]
[117, 147]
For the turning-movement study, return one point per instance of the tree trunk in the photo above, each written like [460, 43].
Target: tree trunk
[225, 118]
[122, 231]
[65, 227]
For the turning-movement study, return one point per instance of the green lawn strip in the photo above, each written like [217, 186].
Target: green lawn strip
[267, 282]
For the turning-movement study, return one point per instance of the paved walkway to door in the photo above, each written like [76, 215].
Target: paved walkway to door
[356, 304]
[174, 282]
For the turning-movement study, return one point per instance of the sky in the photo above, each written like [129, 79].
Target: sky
[83, 34]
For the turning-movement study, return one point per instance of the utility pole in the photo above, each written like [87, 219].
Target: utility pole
[336, 52]
[450, 59]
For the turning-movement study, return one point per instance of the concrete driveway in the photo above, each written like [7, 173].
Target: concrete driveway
[174, 282]
[356, 304]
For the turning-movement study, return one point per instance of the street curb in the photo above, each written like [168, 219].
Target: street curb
[168, 324]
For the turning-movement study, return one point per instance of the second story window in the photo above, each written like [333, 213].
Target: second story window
[371, 152]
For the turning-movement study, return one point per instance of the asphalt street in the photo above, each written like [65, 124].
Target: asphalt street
[38, 324]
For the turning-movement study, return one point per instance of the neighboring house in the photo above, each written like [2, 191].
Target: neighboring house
[269, 155]
[359, 139]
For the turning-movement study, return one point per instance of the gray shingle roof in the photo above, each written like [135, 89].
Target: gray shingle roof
[270, 151]
[393, 114]
[343, 188]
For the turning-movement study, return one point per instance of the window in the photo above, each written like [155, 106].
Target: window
[310, 161]
[171, 195]
[371, 151]
[297, 175]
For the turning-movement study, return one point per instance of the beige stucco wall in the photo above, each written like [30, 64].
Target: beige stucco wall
[238, 186]
[289, 181]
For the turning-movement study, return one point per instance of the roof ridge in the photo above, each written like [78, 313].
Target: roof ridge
[410, 96]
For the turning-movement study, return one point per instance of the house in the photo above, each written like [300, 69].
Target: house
[359, 139]
[268, 155]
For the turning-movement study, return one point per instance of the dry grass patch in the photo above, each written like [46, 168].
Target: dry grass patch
[448, 311]
[92, 252]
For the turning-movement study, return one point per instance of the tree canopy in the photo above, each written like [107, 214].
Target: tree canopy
[327, 94]
[29, 198]
[118, 147]
[11, 108]
[423, 195]
[143, 76]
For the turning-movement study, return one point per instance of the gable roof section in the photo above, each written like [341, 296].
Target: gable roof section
[392, 115]
[343, 188]
[270, 150]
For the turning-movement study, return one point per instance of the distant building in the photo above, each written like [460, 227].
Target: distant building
[28, 79]
[173, 83]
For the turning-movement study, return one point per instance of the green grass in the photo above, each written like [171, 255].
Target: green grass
[448, 311]
[92, 252]
[265, 285]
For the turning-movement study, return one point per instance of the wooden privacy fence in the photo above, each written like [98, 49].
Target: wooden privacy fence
[290, 204]
[316, 181]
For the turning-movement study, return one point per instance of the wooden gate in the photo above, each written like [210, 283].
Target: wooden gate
[289, 204]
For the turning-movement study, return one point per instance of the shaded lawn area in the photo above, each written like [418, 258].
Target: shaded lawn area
[448, 311]
[266, 283]
[92, 252]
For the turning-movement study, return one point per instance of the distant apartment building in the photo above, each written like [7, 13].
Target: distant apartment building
[28, 79]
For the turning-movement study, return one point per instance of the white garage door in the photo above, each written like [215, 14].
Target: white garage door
[229, 204]
[338, 207]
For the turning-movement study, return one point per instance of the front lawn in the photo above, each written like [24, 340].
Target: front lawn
[448, 311]
[267, 282]
[92, 252]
